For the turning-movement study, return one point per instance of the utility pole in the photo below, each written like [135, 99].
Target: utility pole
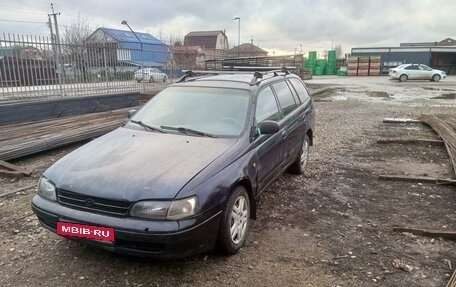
[59, 50]
[52, 39]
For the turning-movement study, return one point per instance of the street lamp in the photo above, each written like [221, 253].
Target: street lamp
[239, 33]
[141, 43]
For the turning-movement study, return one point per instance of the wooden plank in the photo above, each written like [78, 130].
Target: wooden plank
[9, 168]
[400, 121]
[443, 126]
[452, 282]
[22, 140]
[410, 140]
[447, 234]
[18, 190]
[417, 179]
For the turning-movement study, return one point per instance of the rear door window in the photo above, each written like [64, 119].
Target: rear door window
[266, 108]
[286, 99]
[412, 67]
[300, 89]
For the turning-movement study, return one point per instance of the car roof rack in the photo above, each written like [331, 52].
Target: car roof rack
[188, 73]
[256, 74]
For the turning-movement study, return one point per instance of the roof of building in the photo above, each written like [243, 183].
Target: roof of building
[444, 42]
[247, 48]
[128, 36]
[204, 33]
[206, 39]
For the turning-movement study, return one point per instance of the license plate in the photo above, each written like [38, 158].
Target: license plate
[85, 231]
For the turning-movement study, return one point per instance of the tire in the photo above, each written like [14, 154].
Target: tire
[138, 80]
[435, 78]
[151, 79]
[403, 78]
[299, 165]
[236, 219]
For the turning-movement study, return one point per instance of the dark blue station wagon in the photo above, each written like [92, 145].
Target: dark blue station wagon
[183, 174]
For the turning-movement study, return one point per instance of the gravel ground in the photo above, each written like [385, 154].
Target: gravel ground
[331, 226]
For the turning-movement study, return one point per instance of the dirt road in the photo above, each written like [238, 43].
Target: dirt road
[330, 227]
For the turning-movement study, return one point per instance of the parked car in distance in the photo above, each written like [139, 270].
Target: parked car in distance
[184, 173]
[150, 75]
[416, 72]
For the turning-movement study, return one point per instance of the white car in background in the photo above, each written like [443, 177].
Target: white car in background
[150, 75]
[416, 72]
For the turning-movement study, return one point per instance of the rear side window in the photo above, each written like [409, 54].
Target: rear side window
[266, 108]
[286, 100]
[412, 67]
[300, 89]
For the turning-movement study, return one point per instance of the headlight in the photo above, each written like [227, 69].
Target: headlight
[46, 189]
[170, 210]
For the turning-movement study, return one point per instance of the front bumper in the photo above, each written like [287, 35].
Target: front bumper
[133, 236]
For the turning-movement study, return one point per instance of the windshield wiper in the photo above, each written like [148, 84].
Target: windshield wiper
[188, 131]
[147, 126]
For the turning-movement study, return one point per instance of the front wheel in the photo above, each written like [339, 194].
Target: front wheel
[299, 165]
[403, 78]
[436, 78]
[235, 222]
[151, 79]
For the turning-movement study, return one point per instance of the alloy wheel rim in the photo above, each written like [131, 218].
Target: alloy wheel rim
[238, 220]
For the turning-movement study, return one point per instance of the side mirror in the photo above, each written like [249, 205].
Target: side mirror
[131, 113]
[269, 127]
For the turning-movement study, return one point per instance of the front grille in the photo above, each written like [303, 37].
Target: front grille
[92, 203]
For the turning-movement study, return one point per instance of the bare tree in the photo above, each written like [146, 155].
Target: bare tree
[73, 45]
[77, 32]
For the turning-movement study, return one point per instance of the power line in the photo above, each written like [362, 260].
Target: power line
[42, 26]
[21, 21]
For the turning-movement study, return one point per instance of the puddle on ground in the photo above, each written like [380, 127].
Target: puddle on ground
[448, 96]
[378, 94]
[437, 89]
[339, 98]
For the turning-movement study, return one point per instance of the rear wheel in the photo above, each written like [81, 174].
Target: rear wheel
[151, 79]
[436, 78]
[299, 166]
[235, 223]
[403, 78]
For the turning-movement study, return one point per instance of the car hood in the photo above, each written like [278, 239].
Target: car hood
[133, 165]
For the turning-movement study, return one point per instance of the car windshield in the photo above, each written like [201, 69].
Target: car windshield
[197, 111]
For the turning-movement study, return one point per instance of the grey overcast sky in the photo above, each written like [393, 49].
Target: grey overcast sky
[275, 25]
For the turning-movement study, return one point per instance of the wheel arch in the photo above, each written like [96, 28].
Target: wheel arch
[403, 74]
[436, 74]
[246, 183]
[309, 134]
